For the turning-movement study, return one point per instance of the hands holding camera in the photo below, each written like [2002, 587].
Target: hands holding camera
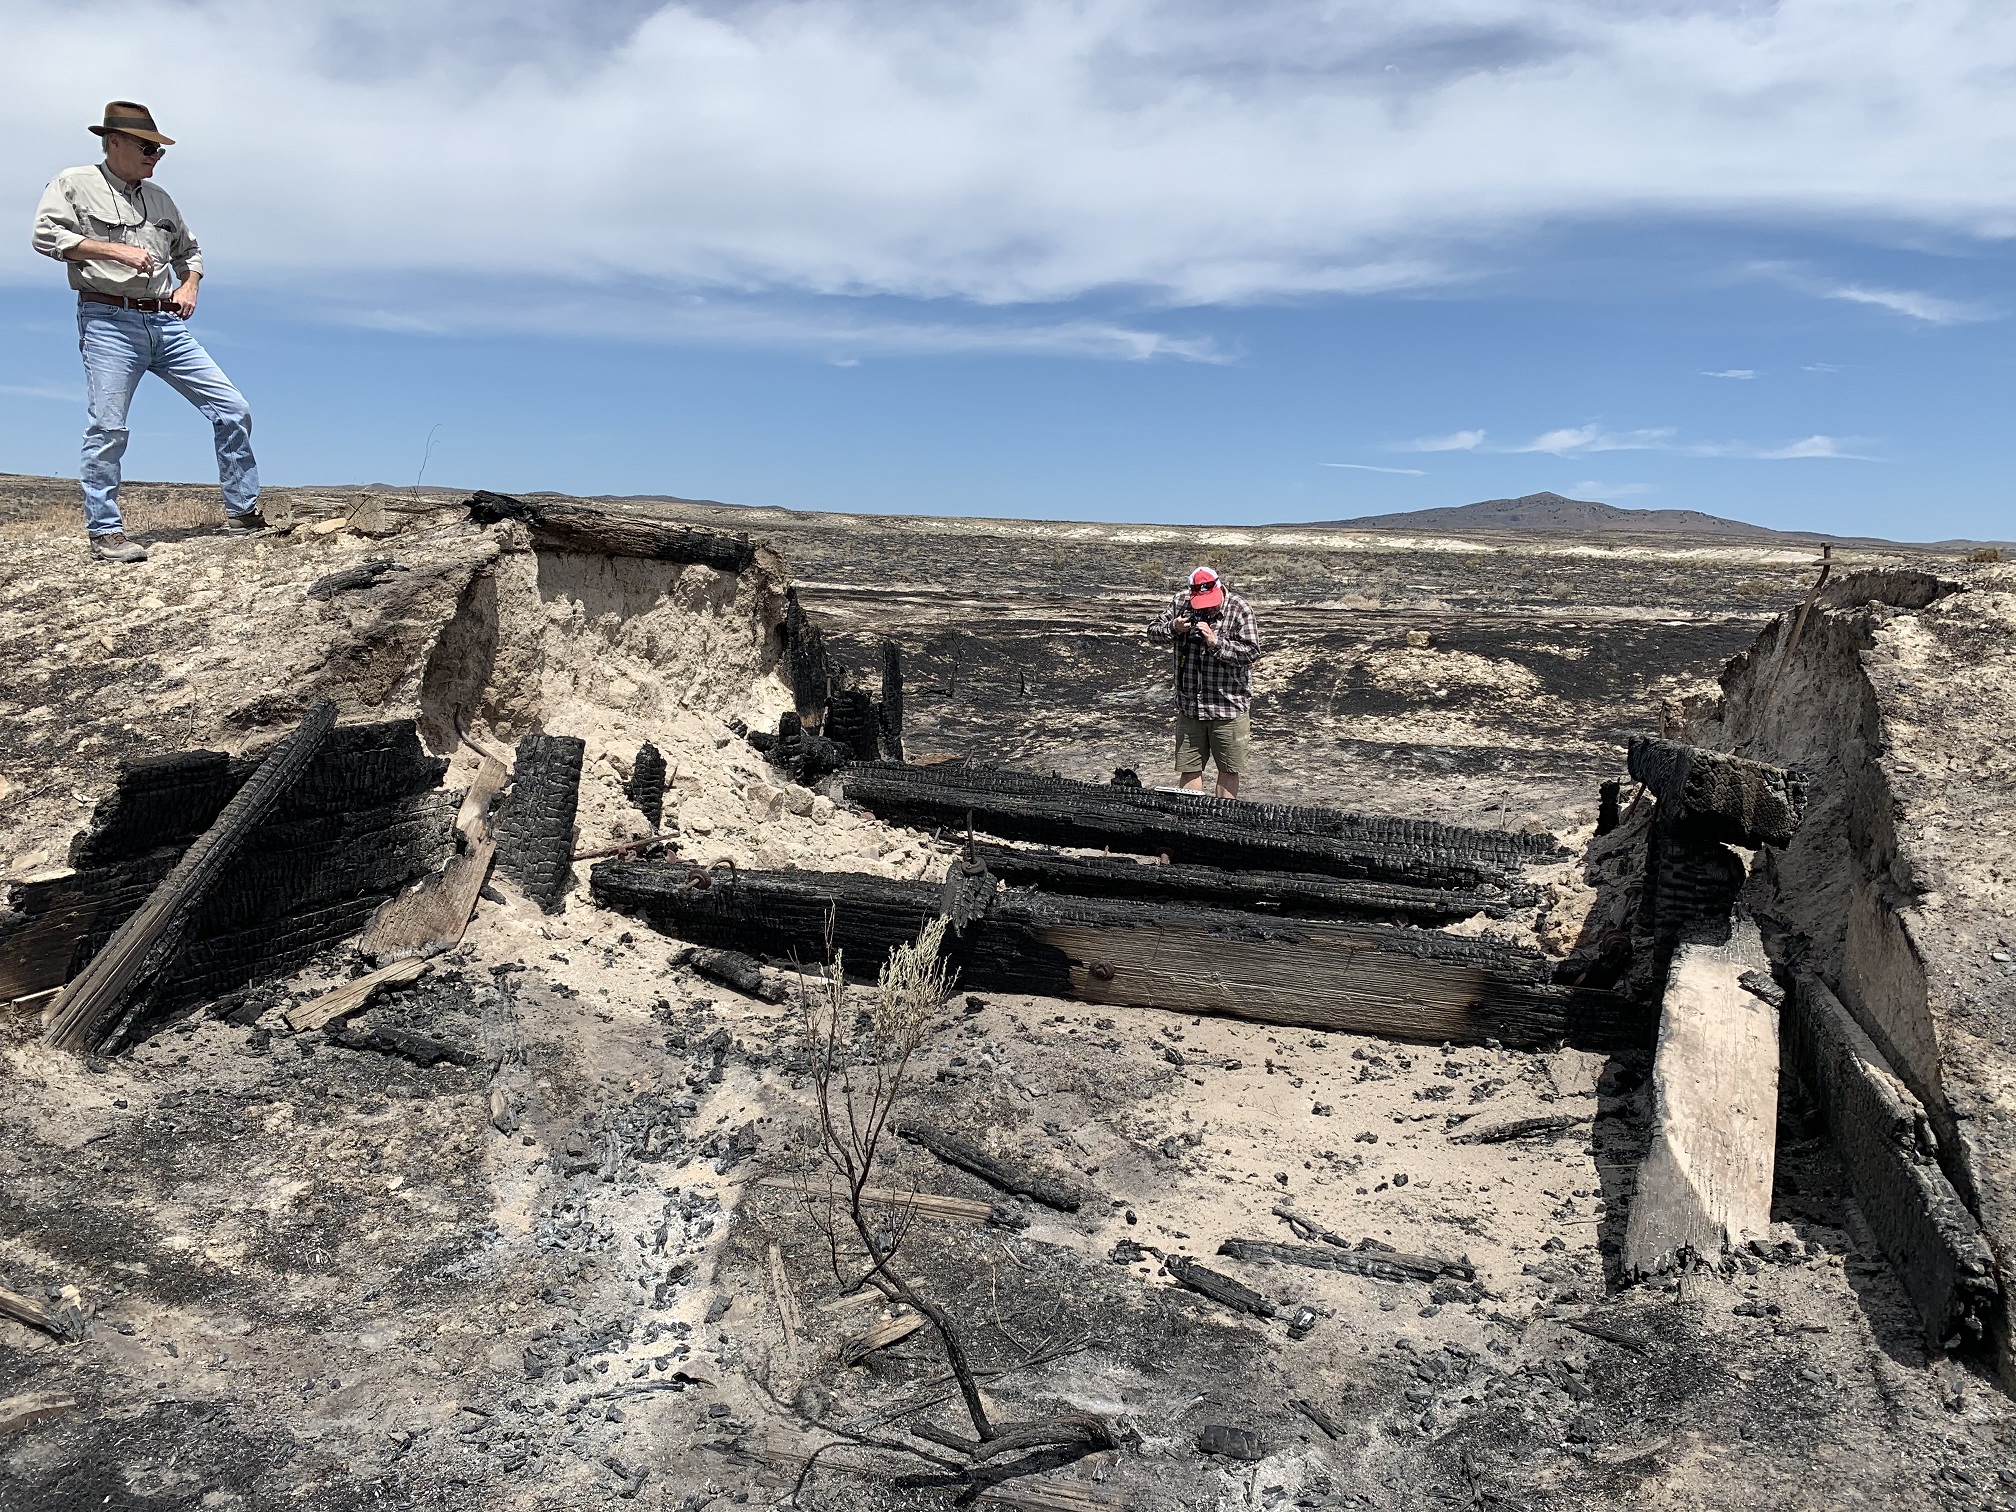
[1193, 624]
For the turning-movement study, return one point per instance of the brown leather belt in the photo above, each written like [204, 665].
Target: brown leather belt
[150, 306]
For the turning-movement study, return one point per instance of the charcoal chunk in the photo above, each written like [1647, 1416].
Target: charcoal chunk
[535, 820]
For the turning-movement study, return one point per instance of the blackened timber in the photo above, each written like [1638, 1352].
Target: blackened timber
[559, 526]
[1006, 1175]
[535, 821]
[1292, 893]
[890, 709]
[363, 820]
[1721, 797]
[646, 787]
[1220, 1288]
[88, 1008]
[1202, 831]
[1404, 983]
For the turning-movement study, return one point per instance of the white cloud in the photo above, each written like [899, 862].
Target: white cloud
[1590, 488]
[847, 328]
[1823, 367]
[1018, 151]
[1813, 446]
[1743, 373]
[64, 391]
[1933, 309]
[1462, 440]
[1593, 438]
[1405, 472]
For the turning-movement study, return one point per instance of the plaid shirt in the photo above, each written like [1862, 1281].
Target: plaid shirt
[1212, 682]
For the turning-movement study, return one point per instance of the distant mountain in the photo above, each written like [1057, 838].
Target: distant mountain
[1549, 511]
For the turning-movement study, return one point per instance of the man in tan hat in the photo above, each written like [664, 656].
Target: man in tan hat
[136, 268]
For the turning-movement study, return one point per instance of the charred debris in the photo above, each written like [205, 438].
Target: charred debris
[202, 877]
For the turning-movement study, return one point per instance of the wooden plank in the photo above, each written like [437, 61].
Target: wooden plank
[1705, 1184]
[86, 1013]
[1007, 1175]
[880, 1336]
[66, 1322]
[1293, 893]
[1888, 1147]
[346, 999]
[30, 1408]
[1194, 830]
[472, 820]
[432, 917]
[790, 1320]
[557, 526]
[923, 1204]
[1377, 979]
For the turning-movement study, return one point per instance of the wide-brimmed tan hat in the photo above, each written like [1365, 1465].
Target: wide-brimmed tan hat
[135, 120]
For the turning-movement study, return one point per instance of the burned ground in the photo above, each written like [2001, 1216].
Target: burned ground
[329, 1277]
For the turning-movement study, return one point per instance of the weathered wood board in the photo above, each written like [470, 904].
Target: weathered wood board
[1376, 979]
[1705, 1184]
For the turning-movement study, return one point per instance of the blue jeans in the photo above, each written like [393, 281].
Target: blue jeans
[120, 348]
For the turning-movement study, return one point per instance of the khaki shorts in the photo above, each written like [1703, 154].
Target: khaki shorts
[1223, 742]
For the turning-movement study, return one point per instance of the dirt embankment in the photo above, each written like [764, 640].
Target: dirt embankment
[1895, 706]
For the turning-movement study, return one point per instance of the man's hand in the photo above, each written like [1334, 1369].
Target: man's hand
[137, 258]
[1208, 630]
[183, 300]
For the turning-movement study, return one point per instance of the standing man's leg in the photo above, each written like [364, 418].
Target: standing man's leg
[1231, 740]
[187, 368]
[116, 351]
[1193, 748]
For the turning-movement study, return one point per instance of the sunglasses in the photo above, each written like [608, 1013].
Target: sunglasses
[147, 149]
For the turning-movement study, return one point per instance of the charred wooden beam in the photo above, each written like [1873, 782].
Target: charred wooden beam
[1405, 983]
[1206, 831]
[562, 526]
[745, 974]
[1220, 1288]
[851, 724]
[1292, 893]
[1719, 796]
[806, 664]
[363, 820]
[1705, 1184]
[1890, 1151]
[1379, 1265]
[535, 822]
[88, 1009]
[646, 787]
[890, 709]
[1006, 1175]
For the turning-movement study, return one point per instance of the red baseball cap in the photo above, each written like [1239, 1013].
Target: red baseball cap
[1206, 592]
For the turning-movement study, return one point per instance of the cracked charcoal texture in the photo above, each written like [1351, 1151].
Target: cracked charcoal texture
[1719, 796]
[535, 821]
[1210, 831]
[646, 787]
[364, 819]
[852, 725]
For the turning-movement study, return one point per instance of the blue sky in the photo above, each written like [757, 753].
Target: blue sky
[1125, 260]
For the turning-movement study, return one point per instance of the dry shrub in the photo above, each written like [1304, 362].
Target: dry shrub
[1985, 554]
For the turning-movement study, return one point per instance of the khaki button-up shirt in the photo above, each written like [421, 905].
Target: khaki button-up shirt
[95, 204]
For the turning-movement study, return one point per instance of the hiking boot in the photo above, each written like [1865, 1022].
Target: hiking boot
[114, 547]
[249, 523]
